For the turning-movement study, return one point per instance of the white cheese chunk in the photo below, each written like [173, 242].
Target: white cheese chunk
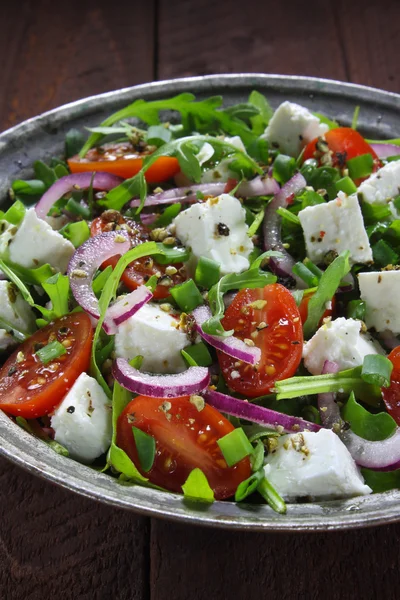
[291, 127]
[381, 187]
[314, 465]
[339, 341]
[6, 340]
[82, 422]
[155, 335]
[14, 310]
[7, 234]
[36, 244]
[381, 293]
[337, 225]
[217, 229]
[221, 172]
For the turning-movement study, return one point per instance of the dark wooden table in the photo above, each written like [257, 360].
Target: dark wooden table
[55, 544]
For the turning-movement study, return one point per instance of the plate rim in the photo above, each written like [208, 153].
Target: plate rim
[29, 452]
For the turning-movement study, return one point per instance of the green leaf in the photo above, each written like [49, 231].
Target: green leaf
[354, 121]
[373, 427]
[31, 276]
[197, 355]
[145, 447]
[330, 122]
[25, 293]
[31, 187]
[57, 288]
[248, 486]
[256, 224]
[395, 142]
[77, 233]
[15, 213]
[44, 173]
[381, 481]
[327, 286]
[74, 140]
[259, 122]
[376, 369]
[188, 162]
[196, 487]
[100, 280]
[168, 215]
[158, 135]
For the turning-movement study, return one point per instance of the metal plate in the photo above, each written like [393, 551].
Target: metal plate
[43, 137]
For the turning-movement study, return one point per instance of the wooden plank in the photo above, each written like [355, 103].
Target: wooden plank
[193, 562]
[371, 41]
[56, 544]
[196, 38]
[56, 54]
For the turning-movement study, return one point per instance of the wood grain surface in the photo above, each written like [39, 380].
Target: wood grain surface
[56, 544]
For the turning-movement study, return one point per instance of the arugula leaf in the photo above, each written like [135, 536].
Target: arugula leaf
[145, 447]
[25, 293]
[196, 487]
[44, 173]
[260, 121]
[395, 141]
[365, 424]
[381, 481]
[188, 162]
[158, 135]
[100, 280]
[327, 286]
[74, 140]
[31, 276]
[326, 121]
[57, 288]
[354, 121]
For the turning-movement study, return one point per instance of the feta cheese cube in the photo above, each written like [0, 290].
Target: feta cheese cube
[155, 335]
[337, 225]
[36, 244]
[291, 127]
[314, 465]
[380, 291]
[15, 312]
[381, 187]
[341, 342]
[221, 172]
[82, 422]
[217, 229]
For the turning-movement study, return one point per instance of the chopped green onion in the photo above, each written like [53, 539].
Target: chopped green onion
[197, 355]
[187, 295]
[167, 216]
[354, 121]
[248, 486]
[50, 352]
[305, 274]
[374, 212]
[78, 209]
[77, 233]
[370, 426]
[15, 213]
[235, 446]
[376, 370]
[207, 272]
[271, 496]
[283, 168]
[324, 178]
[136, 362]
[346, 185]
[152, 283]
[146, 448]
[31, 187]
[313, 268]
[356, 310]
[383, 254]
[288, 216]
[257, 457]
[360, 166]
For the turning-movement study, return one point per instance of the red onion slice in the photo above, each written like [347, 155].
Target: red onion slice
[229, 345]
[70, 183]
[257, 414]
[126, 307]
[272, 229]
[259, 186]
[191, 381]
[385, 150]
[87, 259]
[382, 455]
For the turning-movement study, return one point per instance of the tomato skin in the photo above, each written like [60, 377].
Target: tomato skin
[124, 160]
[281, 342]
[186, 438]
[391, 394]
[303, 308]
[139, 271]
[21, 393]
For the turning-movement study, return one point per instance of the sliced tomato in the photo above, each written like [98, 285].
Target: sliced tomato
[139, 271]
[391, 394]
[269, 318]
[123, 159]
[186, 438]
[29, 388]
[303, 308]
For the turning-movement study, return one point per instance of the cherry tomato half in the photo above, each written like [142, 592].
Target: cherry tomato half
[139, 271]
[124, 160]
[186, 438]
[269, 318]
[29, 388]
[391, 394]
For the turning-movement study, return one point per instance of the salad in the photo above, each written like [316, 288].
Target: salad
[203, 299]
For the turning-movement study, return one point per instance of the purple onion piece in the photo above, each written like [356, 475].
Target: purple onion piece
[70, 183]
[191, 381]
[257, 414]
[272, 229]
[228, 345]
[385, 150]
[126, 307]
[87, 259]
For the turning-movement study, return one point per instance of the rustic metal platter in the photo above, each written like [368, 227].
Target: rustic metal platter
[43, 137]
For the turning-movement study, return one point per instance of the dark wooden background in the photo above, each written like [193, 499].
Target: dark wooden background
[54, 544]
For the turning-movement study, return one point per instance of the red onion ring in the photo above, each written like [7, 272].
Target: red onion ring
[69, 183]
[383, 455]
[385, 150]
[272, 229]
[126, 307]
[257, 414]
[87, 259]
[191, 381]
[228, 345]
